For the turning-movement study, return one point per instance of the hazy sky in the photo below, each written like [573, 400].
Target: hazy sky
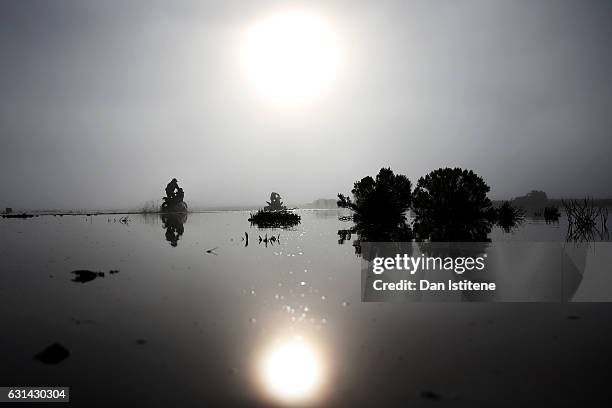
[103, 102]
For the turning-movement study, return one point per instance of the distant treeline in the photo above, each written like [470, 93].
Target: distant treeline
[536, 201]
[600, 202]
[321, 203]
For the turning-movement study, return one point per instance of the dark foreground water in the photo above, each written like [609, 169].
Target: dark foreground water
[212, 321]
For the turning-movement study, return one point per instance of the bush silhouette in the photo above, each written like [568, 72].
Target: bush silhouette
[508, 217]
[452, 205]
[274, 215]
[551, 214]
[274, 219]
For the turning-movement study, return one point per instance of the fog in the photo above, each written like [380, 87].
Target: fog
[103, 103]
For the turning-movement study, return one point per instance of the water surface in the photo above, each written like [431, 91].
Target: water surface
[188, 321]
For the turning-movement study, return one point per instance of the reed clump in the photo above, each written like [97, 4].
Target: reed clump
[508, 217]
[551, 214]
[586, 222]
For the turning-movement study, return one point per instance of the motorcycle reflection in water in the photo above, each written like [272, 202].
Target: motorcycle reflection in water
[173, 223]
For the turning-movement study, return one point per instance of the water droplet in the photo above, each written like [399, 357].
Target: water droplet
[306, 308]
[323, 297]
[345, 304]
[323, 321]
[252, 320]
[276, 296]
[302, 283]
[252, 291]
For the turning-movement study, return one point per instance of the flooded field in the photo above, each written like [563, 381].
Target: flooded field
[145, 311]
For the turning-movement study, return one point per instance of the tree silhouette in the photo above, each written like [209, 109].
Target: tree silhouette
[173, 201]
[452, 205]
[275, 203]
[380, 203]
[379, 209]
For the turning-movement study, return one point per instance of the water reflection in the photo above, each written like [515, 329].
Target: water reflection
[271, 240]
[173, 224]
[222, 313]
[292, 371]
[464, 250]
[368, 233]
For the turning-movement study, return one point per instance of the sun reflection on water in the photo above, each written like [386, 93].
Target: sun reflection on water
[292, 371]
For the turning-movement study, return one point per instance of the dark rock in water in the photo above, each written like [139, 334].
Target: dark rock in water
[79, 322]
[84, 275]
[113, 271]
[430, 395]
[55, 353]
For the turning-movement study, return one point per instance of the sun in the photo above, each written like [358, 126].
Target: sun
[290, 58]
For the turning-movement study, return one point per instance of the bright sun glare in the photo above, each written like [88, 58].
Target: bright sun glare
[292, 371]
[290, 58]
